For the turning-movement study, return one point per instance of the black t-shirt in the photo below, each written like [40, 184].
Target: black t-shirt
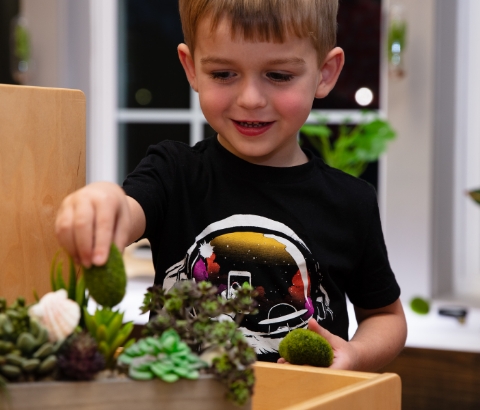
[302, 236]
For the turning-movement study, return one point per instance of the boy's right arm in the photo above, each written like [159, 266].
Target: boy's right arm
[93, 217]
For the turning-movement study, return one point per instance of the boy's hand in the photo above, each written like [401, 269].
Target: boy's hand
[379, 338]
[344, 354]
[93, 217]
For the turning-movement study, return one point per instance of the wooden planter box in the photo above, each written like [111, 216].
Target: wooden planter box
[123, 394]
[289, 387]
[279, 387]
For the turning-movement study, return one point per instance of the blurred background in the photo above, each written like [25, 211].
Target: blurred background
[415, 64]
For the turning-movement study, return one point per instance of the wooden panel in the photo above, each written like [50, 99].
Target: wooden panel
[382, 392]
[42, 159]
[203, 394]
[438, 379]
[291, 387]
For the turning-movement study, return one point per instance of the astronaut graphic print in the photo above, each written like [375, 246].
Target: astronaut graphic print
[273, 260]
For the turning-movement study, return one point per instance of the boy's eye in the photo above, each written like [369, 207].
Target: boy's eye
[279, 77]
[222, 75]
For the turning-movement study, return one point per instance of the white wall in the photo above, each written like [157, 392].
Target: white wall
[408, 171]
[466, 254]
[60, 35]
[61, 46]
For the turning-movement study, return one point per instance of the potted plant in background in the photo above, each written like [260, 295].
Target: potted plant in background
[354, 147]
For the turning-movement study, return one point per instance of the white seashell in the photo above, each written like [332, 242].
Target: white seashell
[58, 314]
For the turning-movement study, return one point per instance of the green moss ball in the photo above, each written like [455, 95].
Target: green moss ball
[303, 346]
[107, 284]
[420, 306]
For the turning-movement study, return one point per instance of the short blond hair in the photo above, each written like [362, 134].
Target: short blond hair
[266, 20]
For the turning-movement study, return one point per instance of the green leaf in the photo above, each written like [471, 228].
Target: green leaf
[72, 282]
[80, 292]
[126, 330]
[52, 272]
[60, 282]
[118, 342]
[129, 343]
[114, 327]
[90, 323]
[101, 334]
[475, 195]
[104, 349]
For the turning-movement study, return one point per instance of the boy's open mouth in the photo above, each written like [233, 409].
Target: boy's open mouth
[252, 128]
[253, 124]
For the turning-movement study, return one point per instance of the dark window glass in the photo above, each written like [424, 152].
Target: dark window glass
[8, 10]
[136, 138]
[153, 75]
[359, 35]
[370, 174]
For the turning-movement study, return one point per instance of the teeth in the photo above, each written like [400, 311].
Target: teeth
[250, 124]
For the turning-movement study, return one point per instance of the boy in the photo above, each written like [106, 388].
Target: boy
[250, 205]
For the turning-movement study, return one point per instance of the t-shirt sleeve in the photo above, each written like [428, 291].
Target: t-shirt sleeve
[373, 284]
[151, 182]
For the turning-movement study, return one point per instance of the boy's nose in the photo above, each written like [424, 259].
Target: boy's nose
[250, 96]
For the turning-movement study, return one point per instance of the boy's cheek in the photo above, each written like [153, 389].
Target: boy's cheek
[214, 101]
[294, 105]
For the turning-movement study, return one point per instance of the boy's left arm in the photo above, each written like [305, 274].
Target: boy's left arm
[380, 337]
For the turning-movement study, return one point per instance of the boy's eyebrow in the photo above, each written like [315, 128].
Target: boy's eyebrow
[277, 61]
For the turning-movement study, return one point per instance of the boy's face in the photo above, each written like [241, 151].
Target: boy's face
[257, 95]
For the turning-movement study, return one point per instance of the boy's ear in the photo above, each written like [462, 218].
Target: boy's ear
[188, 64]
[330, 71]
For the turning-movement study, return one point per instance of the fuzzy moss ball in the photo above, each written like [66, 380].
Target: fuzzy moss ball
[107, 284]
[303, 346]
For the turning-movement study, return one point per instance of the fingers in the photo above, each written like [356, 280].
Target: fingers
[104, 223]
[314, 326]
[83, 225]
[344, 357]
[90, 219]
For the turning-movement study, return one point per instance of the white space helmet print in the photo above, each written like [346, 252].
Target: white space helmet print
[273, 259]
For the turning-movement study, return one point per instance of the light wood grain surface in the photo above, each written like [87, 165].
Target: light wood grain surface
[42, 159]
[289, 387]
[203, 394]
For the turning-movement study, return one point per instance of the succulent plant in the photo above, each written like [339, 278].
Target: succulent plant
[79, 358]
[14, 319]
[190, 308]
[107, 328]
[304, 346]
[165, 357]
[25, 352]
[107, 283]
